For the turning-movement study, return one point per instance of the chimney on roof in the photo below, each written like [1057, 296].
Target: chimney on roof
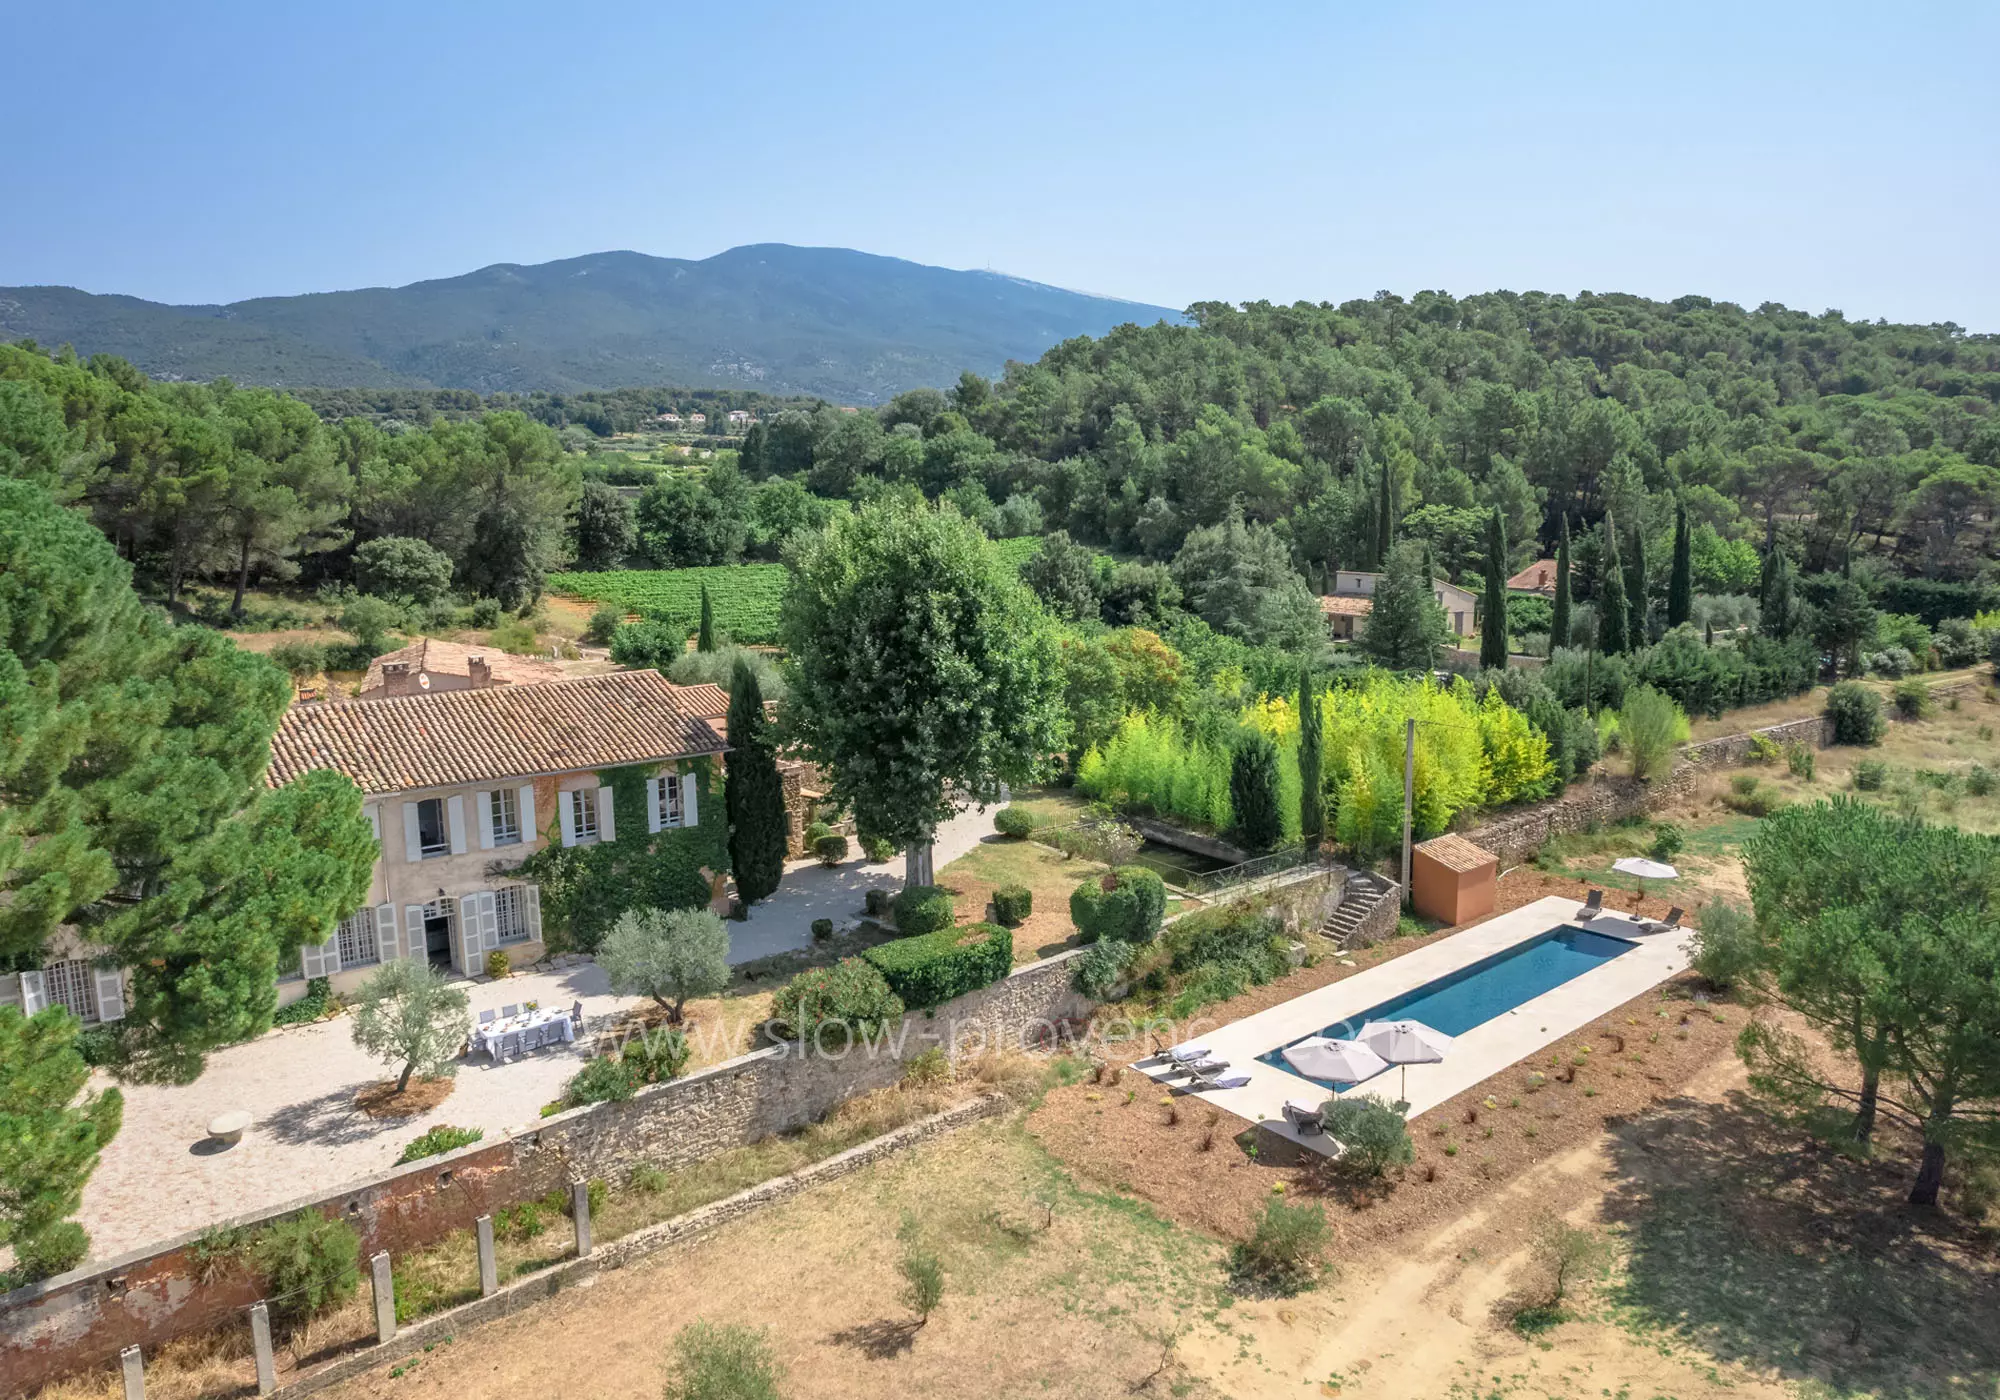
[398, 678]
[1541, 578]
[480, 673]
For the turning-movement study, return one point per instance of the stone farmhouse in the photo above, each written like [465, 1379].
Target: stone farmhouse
[1352, 600]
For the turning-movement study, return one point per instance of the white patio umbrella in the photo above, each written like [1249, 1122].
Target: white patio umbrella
[1340, 1061]
[1645, 869]
[1405, 1043]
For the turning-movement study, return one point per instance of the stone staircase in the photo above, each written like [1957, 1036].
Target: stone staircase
[1364, 893]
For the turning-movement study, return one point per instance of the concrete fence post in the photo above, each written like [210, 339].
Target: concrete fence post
[135, 1373]
[260, 1342]
[579, 1205]
[383, 1281]
[489, 1266]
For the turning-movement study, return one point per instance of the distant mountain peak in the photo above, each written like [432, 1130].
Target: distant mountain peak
[847, 325]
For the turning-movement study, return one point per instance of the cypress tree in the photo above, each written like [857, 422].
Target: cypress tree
[754, 796]
[1708, 634]
[1312, 792]
[704, 640]
[1776, 619]
[1680, 584]
[1253, 791]
[1493, 629]
[1559, 623]
[1385, 519]
[1635, 588]
[1613, 618]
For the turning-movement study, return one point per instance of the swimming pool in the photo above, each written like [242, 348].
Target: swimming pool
[1480, 991]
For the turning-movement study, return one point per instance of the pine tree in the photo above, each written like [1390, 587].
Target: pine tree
[705, 638]
[1635, 588]
[49, 1138]
[754, 796]
[1406, 626]
[1680, 584]
[1559, 622]
[1385, 518]
[1613, 619]
[1312, 791]
[1253, 792]
[1493, 628]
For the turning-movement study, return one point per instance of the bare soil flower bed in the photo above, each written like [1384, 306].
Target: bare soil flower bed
[380, 1099]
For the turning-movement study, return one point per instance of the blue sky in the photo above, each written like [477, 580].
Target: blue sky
[1820, 155]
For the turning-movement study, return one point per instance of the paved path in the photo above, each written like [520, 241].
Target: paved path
[159, 1177]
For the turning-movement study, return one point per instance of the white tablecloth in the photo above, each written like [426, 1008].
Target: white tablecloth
[499, 1040]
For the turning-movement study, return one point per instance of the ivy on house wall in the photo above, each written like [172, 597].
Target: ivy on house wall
[586, 888]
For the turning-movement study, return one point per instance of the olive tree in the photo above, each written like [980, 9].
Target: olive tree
[669, 955]
[407, 1013]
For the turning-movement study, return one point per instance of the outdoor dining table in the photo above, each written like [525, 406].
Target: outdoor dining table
[530, 1030]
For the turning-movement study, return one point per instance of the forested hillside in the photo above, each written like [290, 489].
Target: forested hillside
[826, 321]
[1252, 452]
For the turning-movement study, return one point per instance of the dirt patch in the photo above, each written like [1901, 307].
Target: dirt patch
[380, 1100]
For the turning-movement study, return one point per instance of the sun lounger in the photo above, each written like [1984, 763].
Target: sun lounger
[1227, 1081]
[1205, 1068]
[1592, 907]
[1185, 1054]
[1666, 925]
[1306, 1117]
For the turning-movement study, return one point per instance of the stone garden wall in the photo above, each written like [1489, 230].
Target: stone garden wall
[149, 1296]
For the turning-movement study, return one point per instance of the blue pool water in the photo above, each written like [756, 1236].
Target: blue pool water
[1478, 992]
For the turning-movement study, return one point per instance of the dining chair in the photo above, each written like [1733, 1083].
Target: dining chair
[511, 1009]
[486, 1018]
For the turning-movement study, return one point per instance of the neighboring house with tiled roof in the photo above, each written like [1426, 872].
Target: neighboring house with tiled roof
[1539, 578]
[428, 666]
[461, 786]
[1351, 599]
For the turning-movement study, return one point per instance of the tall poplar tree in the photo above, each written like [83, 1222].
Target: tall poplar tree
[754, 794]
[1613, 620]
[1559, 624]
[1312, 777]
[1680, 583]
[1493, 627]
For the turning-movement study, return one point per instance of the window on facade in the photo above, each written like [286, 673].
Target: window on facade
[433, 839]
[672, 811]
[70, 984]
[510, 908]
[356, 939]
[506, 810]
[583, 813]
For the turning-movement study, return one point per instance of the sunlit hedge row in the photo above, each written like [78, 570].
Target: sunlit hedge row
[1468, 754]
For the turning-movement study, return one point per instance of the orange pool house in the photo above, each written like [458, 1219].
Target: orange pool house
[1453, 880]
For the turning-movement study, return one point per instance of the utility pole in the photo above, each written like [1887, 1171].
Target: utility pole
[1409, 796]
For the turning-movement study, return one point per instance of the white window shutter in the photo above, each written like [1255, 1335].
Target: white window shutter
[653, 786]
[415, 947]
[329, 955]
[533, 897]
[688, 786]
[483, 801]
[386, 947]
[489, 922]
[34, 993]
[566, 809]
[110, 994]
[454, 810]
[529, 831]
[607, 821]
[413, 835]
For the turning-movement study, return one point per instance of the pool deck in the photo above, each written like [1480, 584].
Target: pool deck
[1478, 1054]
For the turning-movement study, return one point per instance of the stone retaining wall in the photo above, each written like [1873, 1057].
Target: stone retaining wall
[152, 1295]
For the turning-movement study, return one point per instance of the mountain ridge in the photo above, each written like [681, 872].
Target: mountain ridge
[859, 327]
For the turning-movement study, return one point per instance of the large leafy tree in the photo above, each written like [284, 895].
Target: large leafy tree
[132, 805]
[754, 794]
[1238, 578]
[1877, 930]
[1064, 576]
[925, 672]
[50, 1135]
[1406, 627]
[670, 955]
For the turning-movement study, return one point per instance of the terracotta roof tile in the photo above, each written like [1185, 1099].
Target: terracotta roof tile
[465, 736]
[706, 700]
[1454, 852]
[1537, 576]
[1343, 605]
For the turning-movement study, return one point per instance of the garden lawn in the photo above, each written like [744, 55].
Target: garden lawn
[1050, 874]
[1050, 806]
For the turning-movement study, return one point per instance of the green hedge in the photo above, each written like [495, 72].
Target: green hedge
[1012, 904]
[935, 967]
[1128, 904]
[922, 909]
[849, 998]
